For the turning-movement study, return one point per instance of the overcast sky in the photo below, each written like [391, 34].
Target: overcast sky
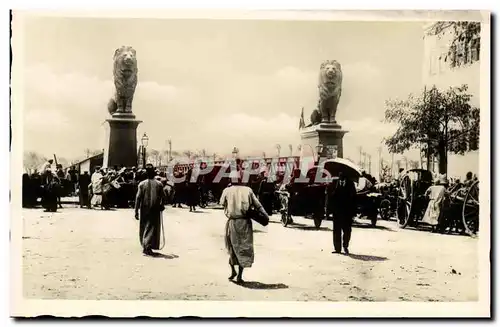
[213, 84]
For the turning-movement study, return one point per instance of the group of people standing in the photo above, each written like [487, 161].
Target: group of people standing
[46, 184]
[241, 203]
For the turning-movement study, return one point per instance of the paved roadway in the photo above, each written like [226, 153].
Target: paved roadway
[93, 254]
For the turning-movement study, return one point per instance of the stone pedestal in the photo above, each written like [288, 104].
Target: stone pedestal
[329, 136]
[121, 140]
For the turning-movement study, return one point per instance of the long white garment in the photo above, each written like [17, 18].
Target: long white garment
[436, 195]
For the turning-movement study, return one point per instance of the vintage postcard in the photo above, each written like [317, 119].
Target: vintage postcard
[250, 164]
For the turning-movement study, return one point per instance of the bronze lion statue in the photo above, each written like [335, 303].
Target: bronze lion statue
[330, 89]
[125, 79]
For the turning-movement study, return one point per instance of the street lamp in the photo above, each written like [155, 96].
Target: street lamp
[235, 152]
[144, 142]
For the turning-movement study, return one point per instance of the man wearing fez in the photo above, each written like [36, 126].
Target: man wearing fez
[149, 204]
[237, 200]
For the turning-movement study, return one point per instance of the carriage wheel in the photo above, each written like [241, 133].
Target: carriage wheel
[384, 209]
[470, 210]
[405, 201]
[284, 218]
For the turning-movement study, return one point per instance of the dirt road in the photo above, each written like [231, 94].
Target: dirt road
[92, 254]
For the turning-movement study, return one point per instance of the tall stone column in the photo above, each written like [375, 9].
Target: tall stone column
[121, 141]
[329, 137]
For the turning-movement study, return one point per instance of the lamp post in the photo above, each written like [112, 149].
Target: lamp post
[144, 142]
[169, 150]
[319, 150]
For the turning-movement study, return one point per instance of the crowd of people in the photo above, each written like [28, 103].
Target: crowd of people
[149, 190]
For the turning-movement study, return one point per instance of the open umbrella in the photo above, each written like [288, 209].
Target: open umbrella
[337, 165]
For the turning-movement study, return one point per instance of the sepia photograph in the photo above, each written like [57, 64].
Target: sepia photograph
[308, 164]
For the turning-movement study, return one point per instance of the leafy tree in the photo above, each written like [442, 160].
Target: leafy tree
[465, 34]
[32, 161]
[414, 164]
[153, 156]
[437, 121]
[92, 152]
[385, 173]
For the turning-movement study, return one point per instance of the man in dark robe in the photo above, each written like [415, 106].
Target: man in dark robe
[51, 187]
[62, 179]
[149, 204]
[83, 185]
[266, 193]
[179, 191]
[343, 208]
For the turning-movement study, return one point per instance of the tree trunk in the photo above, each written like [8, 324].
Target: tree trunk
[429, 158]
[443, 159]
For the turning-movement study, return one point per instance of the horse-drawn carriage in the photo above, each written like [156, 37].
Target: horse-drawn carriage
[388, 200]
[411, 199]
[306, 190]
[459, 209]
[463, 207]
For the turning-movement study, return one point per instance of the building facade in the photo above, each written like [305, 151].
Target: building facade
[444, 70]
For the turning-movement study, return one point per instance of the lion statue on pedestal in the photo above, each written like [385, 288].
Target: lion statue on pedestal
[125, 79]
[330, 89]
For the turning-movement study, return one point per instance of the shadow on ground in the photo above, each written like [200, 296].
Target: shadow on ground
[261, 286]
[369, 226]
[164, 256]
[307, 227]
[365, 257]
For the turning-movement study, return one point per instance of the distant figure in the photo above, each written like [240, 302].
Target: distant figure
[50, 190]
[96, 181]
[46, 166]
[237, 200]
[343, 208]
[192, 195]
[468, 179]
[179, 191]
[436, 194]
[364, 184]
[83, 186]
[61, 177]
[27, 190]
[149, 204]
[265, 193]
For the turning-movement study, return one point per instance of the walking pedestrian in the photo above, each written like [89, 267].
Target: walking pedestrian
[343, 209]
[238, 201]
[149, 204]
